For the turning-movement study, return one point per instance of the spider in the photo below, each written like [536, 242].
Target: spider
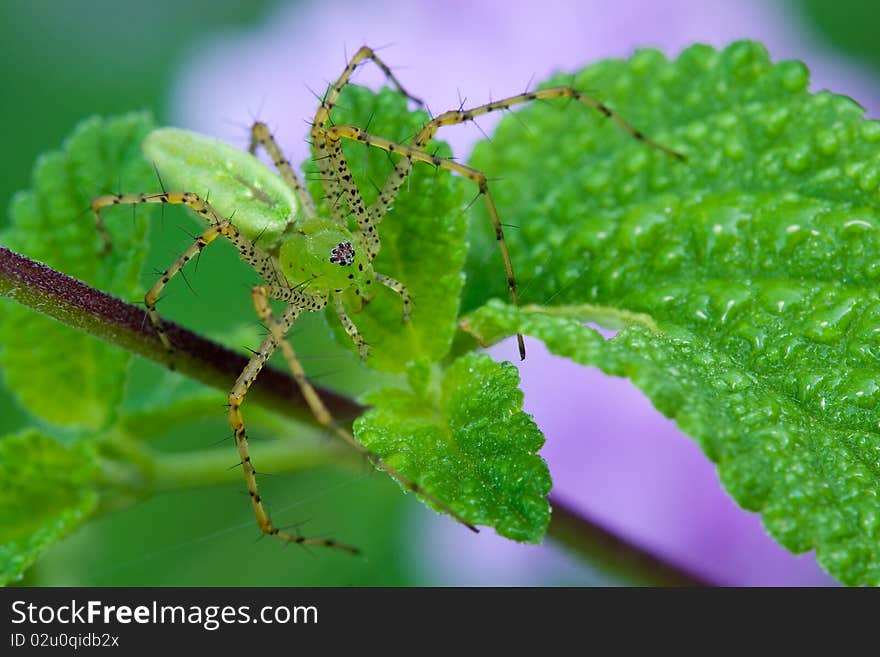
[306, 260]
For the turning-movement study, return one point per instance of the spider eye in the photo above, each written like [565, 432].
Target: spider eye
[342, 254]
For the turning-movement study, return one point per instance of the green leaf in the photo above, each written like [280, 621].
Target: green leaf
[467, 441]
[592, 205]
[423, 236]
[756, 261]
[47, 492]
[63, 376]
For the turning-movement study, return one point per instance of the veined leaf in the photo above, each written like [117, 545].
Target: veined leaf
[468, 442]
[757, 260]
[46, 493]
[63, 376]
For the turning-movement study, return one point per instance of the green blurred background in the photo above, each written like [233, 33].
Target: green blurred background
[63, 61]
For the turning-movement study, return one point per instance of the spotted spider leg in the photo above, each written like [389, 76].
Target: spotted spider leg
[400, 288]
[416, 151]
[297, 300]
[329, 154]
[219, 225]
[350, 327]
[277, 330]
[339, 185]
[261, 136]
[401, 170]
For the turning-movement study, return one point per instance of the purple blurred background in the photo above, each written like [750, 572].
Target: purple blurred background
[611, 454]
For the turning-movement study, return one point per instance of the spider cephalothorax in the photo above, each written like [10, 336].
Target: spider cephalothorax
[320, 257]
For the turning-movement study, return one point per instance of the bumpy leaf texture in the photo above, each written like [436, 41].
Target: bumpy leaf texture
[59, 374]
[467, 441]
[46, 493]
[755, 262]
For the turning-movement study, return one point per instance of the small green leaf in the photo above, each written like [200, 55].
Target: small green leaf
[59, 374]
[47, 492]
[468, 442]
[423, 236]
[757, 260]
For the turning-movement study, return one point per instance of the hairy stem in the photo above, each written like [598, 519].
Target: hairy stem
[74, 303]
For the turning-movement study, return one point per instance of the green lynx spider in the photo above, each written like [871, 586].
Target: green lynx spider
[296, 245]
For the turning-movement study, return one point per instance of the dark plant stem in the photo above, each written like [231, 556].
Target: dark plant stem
[614, 554]
[74, 303]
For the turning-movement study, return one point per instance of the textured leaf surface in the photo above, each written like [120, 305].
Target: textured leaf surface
[423, 237]
[51, 223]
[757, 260]
[468, 442]
[46, 493]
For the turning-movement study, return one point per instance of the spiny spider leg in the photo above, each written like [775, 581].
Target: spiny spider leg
[328, 155]
[278, 330]
[401, 170]
[260, 135]
[400, 288]
[155, 292]
[368, 233]
[368, 236]
[219, 225]
[322, 116]
[350, 328]
[337, 133]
